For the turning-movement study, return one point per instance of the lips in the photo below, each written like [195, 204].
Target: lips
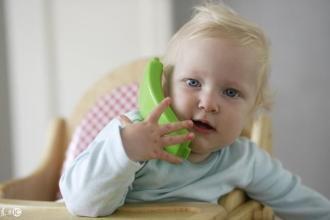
[203, 126]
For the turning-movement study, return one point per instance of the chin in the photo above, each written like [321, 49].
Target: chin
[203, 148]
[196, 157]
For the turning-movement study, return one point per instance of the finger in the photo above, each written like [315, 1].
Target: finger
[168, 128]
[158, 111]
[162, 155]
[124, 120]
[177, 139]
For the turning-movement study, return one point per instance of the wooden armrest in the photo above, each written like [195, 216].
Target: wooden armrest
[164, 211]
[233, 199]
[42, 184]
[252, 210]
[264, 214]
[23, 188]
[245, 211]
[240, 207]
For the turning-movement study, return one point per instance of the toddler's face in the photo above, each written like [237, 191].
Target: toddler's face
[214, 84]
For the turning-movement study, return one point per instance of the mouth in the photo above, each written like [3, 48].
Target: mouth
[203, 126]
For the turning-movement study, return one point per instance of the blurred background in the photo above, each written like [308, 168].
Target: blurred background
[51, 51]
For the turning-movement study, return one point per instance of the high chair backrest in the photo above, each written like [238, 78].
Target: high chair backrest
[130, 73]
[115, 94]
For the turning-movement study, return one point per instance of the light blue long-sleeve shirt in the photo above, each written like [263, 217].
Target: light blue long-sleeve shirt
[103, 178]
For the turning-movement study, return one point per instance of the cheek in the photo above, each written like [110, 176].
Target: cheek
[243, 121]
[182, 104]
[234, 120]
[181, 101]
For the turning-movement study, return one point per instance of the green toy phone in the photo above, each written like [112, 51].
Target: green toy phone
[150, 95]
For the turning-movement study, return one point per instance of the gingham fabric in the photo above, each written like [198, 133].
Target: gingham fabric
[119, 101]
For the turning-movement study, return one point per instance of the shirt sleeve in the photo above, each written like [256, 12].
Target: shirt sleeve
[97, 181]
[284, 192]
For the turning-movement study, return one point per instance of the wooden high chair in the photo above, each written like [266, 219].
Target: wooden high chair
[33, 197]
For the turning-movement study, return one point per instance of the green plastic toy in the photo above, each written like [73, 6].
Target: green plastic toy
[150, 95]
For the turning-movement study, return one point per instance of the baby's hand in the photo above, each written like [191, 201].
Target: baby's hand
[146, 140]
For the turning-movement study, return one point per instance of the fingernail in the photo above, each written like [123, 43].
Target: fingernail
[191, 136]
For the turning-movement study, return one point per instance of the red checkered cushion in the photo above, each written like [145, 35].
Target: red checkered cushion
[119, 101]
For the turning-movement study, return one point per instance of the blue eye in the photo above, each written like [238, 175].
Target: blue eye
[193, 83]
[233, 93]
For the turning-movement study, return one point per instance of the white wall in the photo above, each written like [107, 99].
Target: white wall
[93, 37]
[28, 81]
[58, 48]
[5, 149]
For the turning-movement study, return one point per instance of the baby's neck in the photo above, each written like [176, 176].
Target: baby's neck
[196, 158]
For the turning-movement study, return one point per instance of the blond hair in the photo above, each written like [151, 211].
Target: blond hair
[219, 21]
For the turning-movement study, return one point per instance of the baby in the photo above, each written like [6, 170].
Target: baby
[216, 80]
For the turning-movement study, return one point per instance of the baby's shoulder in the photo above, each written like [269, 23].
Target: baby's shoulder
[242, 150]
[247, 151]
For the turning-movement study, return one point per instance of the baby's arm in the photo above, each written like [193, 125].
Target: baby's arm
[97, 181]
[284, 192]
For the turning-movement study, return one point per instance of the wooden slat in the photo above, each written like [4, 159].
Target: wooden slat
[34, 210]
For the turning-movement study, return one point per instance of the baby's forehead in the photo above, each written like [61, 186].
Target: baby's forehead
[222, 44]
[223, 51]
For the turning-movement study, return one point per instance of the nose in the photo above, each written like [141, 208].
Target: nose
[208, 103]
